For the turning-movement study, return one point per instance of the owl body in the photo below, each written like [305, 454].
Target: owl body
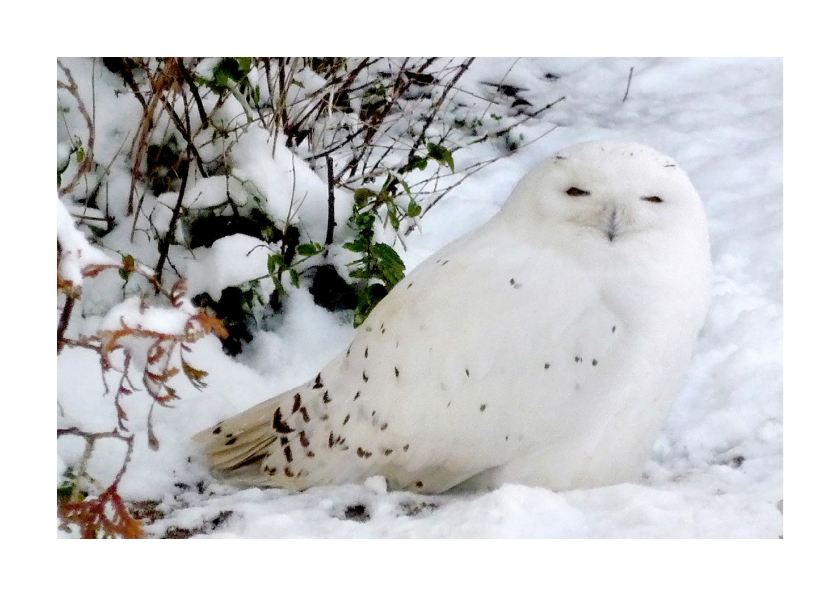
[544, 348]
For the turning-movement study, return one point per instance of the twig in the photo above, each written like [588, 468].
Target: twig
[527, 117]
[194, 90]
[472, 170]
[330, 202]
[73, 89]
[462, 69]
[627, 91]
[170, 234]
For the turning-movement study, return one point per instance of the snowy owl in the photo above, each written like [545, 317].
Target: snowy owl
[544, 348]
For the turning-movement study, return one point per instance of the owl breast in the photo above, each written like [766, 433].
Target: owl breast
[529, 350]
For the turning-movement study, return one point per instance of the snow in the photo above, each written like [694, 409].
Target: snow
[716, 470]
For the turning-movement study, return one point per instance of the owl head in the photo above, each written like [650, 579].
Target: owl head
[609, 192]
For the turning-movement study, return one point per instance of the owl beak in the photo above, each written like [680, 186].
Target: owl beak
[612, 224]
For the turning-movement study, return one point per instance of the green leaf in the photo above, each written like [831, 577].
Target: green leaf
[368, 299]
[233, 69]
[360, 274]
[385, 253]
[65, 491]
[80, 155]
[127, 267]
[309, 249]
[417, 163]
[361, 196]
[244, 65]
[364, 221]
[275, 265]
[390, 265]
[393, 217]
[358, 245]
[294, 277]
[441, 154]
[414, 209]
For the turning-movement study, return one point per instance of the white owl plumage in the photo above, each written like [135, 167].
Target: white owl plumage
[544, 348]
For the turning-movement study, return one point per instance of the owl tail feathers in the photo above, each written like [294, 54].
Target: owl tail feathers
[236, 447]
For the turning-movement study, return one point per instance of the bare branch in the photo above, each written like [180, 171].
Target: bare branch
[87, 163]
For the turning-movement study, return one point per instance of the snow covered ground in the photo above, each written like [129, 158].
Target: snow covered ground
[716, 470]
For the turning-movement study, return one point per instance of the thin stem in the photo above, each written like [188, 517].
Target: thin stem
[330, 202]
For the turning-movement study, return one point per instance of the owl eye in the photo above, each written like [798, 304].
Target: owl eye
[576, 192]
[653, 199]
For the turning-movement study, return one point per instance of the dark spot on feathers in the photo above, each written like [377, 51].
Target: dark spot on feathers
[288, 472]
[364, 376]
[547, 365]
[287, 451]
[310, 454]
[449, 404]
[613, 329]
[271, 471]
[411, 284]
[248, 461]
[467, 371]
[670, 165]
[396, 372]
[296, 405]
[507, 437]
[372, 414]
[405, 447]
[217, 430]
[362, 453]
[348, 350]
[483, 407]
[594, 362]
[279, 424]
[231, 441]
[578, 359]
[384, 426]
[358, 393]
[229, 435]
[418, 484]
[332, 440]
[305, 414]
[512, 281]
[444, 263]
[303, 440]
[366, 352]
[346, 418]
[284, 441]
[388, 451]
[327, 397]
[318, 384]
